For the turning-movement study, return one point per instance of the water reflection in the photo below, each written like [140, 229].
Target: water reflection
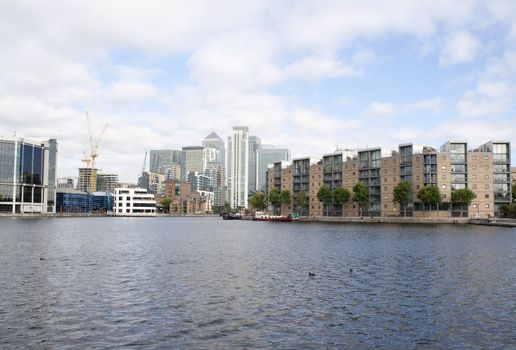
[207, 283]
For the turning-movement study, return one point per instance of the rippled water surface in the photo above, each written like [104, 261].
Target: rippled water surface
[205, 283]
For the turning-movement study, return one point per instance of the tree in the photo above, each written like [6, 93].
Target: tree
[1, 197]
[258, 201]
[401, 195]
[360, 195]
[462, 197]
[430, 195]
[341, 195]
[514, 193]
[324, 196]
[508, 211]
[285, 197]
[300, 199]
[166, 204]
[274, 198]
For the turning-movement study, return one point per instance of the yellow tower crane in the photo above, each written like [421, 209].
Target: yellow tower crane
[94, 152]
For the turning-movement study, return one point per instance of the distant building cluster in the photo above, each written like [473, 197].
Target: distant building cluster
[485, 170]
[213, 173]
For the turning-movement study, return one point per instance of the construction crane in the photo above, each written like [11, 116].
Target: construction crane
[94, 152]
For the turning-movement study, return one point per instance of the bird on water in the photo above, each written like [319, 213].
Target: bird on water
[311, 274]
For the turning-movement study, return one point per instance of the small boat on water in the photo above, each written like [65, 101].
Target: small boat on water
[267, 217]
[229, 216]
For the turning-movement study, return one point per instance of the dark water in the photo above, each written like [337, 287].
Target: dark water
[205, 283]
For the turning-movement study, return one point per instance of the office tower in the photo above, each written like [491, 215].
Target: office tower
[238, 166]
[27, 175]
[214, 141]
[194, 160]
[268, 154]
[161, 160]
[254, 145]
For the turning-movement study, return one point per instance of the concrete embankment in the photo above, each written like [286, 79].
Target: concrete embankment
[386, 220]
[494, 222]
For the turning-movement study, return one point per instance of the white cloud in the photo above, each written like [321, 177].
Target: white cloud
[459, 47]
[488, 99]
[388, 109]
[165, 74]
[317, 68]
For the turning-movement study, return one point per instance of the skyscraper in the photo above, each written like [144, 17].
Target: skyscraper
[238, 166]
[254, 146]
[268, 154]
[214, 141]
[194, 159]
[161, 160]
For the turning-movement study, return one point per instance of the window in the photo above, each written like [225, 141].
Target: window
[384, 179]
[444, 187]
[486, 177]
[486, 186]
[473, 167]
[474, 176]
[443, 157]
[486, 157]
[443, 167]
[474, 186]
[385, 206]
[486, 167]
[487, 205]
[444, 196]
[417, 177]
[487, 196]
[474, 205]
[444, 177]
[474, 157]
[417, 187]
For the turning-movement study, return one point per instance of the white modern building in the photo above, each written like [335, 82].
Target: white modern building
[238, 166]
[27, 175]
[134, 202]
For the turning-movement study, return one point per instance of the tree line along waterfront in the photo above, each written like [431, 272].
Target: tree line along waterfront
[429, 196]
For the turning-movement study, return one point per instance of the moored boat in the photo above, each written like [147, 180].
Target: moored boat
[267, 217]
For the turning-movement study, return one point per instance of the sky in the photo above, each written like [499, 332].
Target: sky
[308, 75]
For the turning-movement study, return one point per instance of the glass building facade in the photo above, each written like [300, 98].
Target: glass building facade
[27, 175]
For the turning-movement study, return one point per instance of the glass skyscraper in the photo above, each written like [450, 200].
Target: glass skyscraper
[27, 175]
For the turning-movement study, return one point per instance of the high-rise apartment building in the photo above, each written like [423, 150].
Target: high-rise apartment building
[484, 170]
[27, 175]
[238, 166]
[501, 181]
[107, 182]
[84, 183]
[268, 154]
